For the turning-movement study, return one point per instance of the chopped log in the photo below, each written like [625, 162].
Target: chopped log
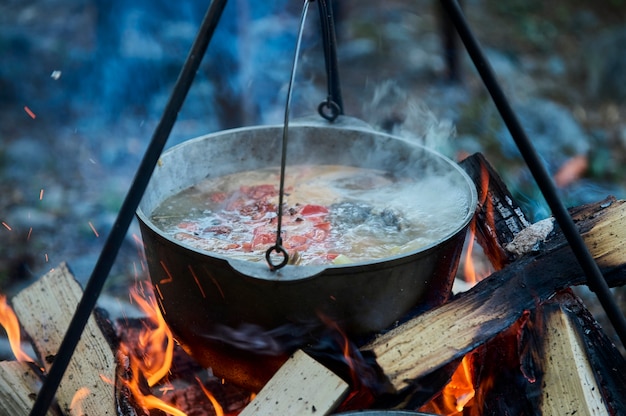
[448, 332]
[302, 386]
[19, 384]
[45, 309]
[569, 383]
[584, 373]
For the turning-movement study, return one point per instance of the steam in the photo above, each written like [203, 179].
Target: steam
[394, 111]
[253, 338]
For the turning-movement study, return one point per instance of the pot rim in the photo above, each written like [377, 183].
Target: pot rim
[292, 272]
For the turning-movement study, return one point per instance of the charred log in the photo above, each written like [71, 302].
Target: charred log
[498, 218]
[452, 330]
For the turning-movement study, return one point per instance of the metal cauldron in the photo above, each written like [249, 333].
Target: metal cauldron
[208, 298]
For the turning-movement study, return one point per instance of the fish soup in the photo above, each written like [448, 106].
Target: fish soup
[332, 214]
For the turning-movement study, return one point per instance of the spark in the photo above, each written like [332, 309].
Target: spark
[41, 194]
[167, 272]
[7, 226]
[93, 229]
[197, 281]
[56, 74]
[30, 112]
[138, 241]
[135, 271]
[30, 231]
[46, 256]
[158, 289]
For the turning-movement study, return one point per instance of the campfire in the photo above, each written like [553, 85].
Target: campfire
[517, 342]
[514, 341]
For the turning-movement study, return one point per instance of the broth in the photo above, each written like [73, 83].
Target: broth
[331, 215]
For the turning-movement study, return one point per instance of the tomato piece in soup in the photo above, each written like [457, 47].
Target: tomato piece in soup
[313, 210]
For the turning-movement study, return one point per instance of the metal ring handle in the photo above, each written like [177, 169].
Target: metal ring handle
[279, 249]
[334, 110]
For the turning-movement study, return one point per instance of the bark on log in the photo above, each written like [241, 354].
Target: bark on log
[448, 332]
[498, 218]
[45, 309]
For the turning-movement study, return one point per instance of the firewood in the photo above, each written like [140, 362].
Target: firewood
[569, 383]
[584, 372]
[448, 332]
[45, 309]
[498, 217]
[19, 383]
[302, 386]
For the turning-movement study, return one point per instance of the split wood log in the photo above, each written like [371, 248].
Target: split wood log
[448, 332]
[569, 384]
[584, 373]
[19, 384]
[45, 309]
[302, 386]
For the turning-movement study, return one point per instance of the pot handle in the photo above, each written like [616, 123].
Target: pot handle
[285, 274]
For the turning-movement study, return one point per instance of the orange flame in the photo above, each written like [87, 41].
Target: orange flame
[216, 406]
[8, 320]
[150, 359]
[458, 393]
[361, 376]
[469, 269]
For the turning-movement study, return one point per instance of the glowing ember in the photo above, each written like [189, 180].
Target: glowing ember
[9, 322]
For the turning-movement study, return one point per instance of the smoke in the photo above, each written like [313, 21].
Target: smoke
[253, 338]
[393, 110]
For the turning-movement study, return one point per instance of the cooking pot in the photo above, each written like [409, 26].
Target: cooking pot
[207, 298]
